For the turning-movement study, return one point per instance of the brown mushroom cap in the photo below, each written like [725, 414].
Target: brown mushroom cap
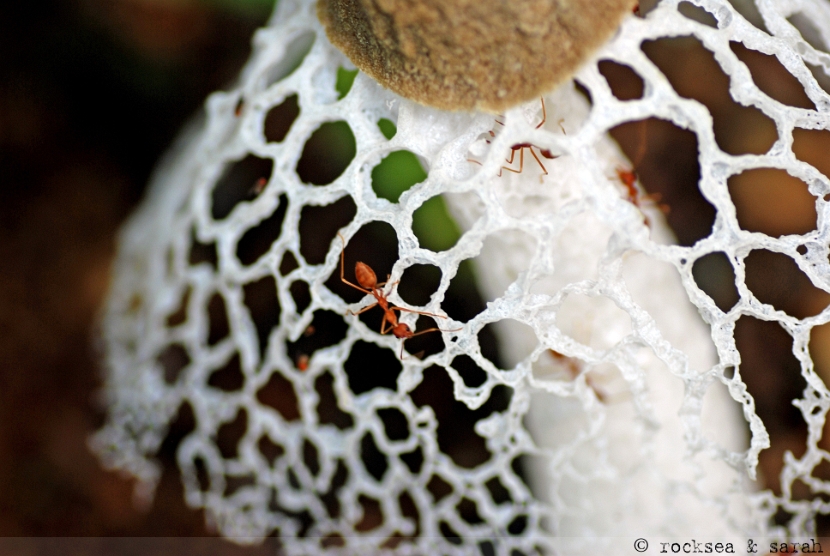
[470, 54]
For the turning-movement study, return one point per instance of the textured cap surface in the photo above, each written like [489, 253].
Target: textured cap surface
[470, 54]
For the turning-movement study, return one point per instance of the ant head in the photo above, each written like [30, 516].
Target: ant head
[547, 154]
[366, 277]
[402, 331]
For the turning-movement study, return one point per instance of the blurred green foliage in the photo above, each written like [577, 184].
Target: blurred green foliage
[345, 79]
[252, 8]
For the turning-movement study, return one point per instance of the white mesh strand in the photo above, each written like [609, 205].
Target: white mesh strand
[649, 438]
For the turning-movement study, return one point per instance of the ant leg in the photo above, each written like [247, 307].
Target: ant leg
[545, 170]
[399, 309]
[521, 162]
[386, 282]
[372, 306]
[544, 113]
[435, 330]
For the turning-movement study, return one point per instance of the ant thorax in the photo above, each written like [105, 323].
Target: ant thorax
[535, 113]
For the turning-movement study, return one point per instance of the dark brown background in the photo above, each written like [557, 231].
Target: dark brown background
[92, 92]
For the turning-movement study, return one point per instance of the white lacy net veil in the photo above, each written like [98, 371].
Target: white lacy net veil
[597, 395]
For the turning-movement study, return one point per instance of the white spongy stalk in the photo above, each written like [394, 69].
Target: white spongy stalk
[620, 417]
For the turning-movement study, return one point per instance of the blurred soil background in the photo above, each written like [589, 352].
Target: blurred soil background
[91, 94]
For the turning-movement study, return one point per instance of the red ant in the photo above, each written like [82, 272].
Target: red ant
[529, 146]
[369, 285]
[628, 177]
[302, 362]
[520, 147]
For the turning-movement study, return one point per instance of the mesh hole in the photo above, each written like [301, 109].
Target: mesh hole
[257, 241]
[584, 92]
[456, 422]
[301, 294]
[178, 316]
[433, 226]
[808, 31]
[372, 516]
[714, 274]
[696, 13]
[775, 279]
[278, 393]
[471, 374]
[414, 460]
[522, 463]
[229, 378]
[772, 375]
[218, 318]
[624, 82]
[327, 153]
[468, 511]
[270, 450]
[280, 118]
[345, 80]
[373, 459]
[486, 341]
[260, 298]
[395, 423]
[202, 476]
[229, 434]
[487, 548]
[202, 253]
[438, 488]
[240, 181]
[812, 146]
[738, 129]
[311, 458]
[498, 492]
[820, 354]
[296, 51]
[319, 225]
[288, 263]
[395, 174]
[326, 329]
[332, 540]
[822, 470]
[463, 300]
[410, 512]
[428, 340]
[418, 283]
[450, 534]
[665, 158]
[518, 525]
[234, 483]
[387, 128]
[330, 498]
[773, 202]
[173, 360]
[772, 77]
[409, 509]
[180, 427]
[328, 411]
[371, 366]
